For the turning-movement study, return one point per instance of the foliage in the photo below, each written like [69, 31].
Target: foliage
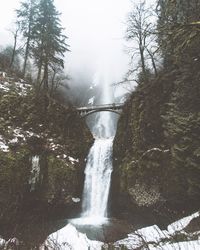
[26, 16]
[62, 181]
[44, 41]
[14, 172]
[5, 59]
[49, 42]
[50, 133]
[157, 141]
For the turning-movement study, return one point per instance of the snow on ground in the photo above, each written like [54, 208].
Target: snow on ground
[68, 238]
[151, 238]
[2, 242]
[54, 146]
[154, 234]
[139, 237]
[181, 224]
[190, 245]
[20, 134]
[154, 237]
[20, 87]
[15, 135]
[5, 86]
[76, 199]
[72, 160]
[3, 146]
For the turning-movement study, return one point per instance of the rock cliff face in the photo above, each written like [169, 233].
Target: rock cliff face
[43, 146]
[135, 177]
[145, 179]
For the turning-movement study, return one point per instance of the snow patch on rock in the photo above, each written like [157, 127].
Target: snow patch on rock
[181, 224]
[72, 160]
[3, 146]
[157, 239]
[141, 236]
[68, 238]
[20, 87]
[4, 86]
[76, 200]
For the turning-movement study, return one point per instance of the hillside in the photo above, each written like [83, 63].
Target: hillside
[43, 146]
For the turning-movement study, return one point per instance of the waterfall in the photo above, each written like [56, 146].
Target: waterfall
[99, 162]
[35, 172]
[97, 179]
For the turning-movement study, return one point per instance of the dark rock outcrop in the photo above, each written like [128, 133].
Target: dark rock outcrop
[146, 181]
[36, 126]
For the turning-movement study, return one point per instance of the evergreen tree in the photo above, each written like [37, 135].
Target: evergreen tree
[49, 42]
[26, 16]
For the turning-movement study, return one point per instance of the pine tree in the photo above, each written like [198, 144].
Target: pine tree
[26, 16]
[49, 42]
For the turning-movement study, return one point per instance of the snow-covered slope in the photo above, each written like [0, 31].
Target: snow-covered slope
[149, 238]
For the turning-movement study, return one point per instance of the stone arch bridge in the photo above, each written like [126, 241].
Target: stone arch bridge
[86, 111]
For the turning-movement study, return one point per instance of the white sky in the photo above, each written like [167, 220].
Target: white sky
[96, 30]
[96, 34]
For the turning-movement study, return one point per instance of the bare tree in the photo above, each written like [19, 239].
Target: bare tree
[140, 31]
[152, 51]
[15, 34]
[58, 79]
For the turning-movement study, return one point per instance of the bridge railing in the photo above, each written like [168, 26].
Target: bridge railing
[104, 106]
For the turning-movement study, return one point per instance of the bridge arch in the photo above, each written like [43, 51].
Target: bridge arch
[114, 108]
[86, 114]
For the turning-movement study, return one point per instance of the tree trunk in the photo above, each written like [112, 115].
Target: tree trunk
[39, 74]
[14, 49]
[143, 61]
[53, 82]
[26, 54]
[46, 77]
[153, 61]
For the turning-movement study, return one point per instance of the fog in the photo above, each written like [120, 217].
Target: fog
[96, 37]
[95, 30]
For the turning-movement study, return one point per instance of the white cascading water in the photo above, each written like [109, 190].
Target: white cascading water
[99, 164]
[97, 179]
[35, 172]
